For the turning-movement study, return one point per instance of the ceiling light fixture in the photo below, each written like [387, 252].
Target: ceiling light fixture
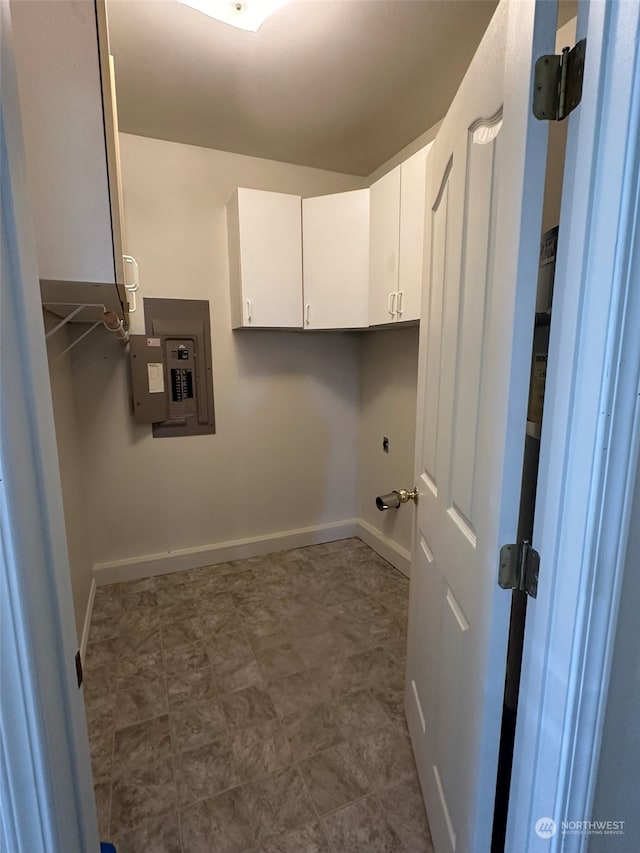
[246, 14]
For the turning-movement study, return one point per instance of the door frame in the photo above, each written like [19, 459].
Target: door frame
[589, 446]
[46, 786]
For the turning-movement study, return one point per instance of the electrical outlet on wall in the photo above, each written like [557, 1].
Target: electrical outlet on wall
[385, 443]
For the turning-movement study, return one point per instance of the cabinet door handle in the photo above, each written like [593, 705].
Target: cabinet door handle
[307, 309]
[399, 307]
[248, 310]
[391, 305]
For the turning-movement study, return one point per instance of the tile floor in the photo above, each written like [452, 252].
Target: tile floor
[255, 707]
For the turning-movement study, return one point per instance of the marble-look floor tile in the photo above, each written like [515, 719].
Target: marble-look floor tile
[295, 693]
[217, 824]
[101, 747]
[228, 649]
[107, 607]
[316, 649]
[238, 675]
[185, 658]
[129, 668]
[140, 599]
[102, 792]
[358, 713]
[312, 731]
[337, 678]
[307, 839]
[378, 669]
[100, 702]
[155, 835]
[308, 624]
[393, 703]
[109, 590]
[334, 778]
[101, 725]
[138, 621]
[142, 743]
[181, 633]
[205, 770]
[260, 750]
[191, 686]
[404, 808]
[246, 708]
[263, 629]
[278, 804]
[398, 649]
[99, 653]
[362, 827]
[141, 585]
[218, 621]
[263, 638]
[103, 628]
[172, 580]
[169, 596]
[196, 725]
[179, 611]
[141, 793]
[140, 701]
[141, 649]
[385, 755]
[280, 661]
[305, 651]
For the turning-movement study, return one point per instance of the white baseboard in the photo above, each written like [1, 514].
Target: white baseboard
[255, 546]
[387, 548]
[208, 555]
[87, 621]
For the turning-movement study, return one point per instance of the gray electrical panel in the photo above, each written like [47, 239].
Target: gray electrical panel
[171, 370]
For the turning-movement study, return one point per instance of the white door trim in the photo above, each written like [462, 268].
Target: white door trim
[590, 441]
[46, 787]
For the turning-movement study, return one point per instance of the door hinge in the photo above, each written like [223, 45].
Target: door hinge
[557, 86]
[519, 567]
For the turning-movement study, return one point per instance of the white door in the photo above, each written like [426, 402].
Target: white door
[482, 233]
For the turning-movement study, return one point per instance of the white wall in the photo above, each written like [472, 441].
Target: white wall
[389, 379]
[71, 475]
[287, 404]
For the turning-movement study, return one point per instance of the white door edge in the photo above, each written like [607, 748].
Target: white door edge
[590, 441]
[46, 787]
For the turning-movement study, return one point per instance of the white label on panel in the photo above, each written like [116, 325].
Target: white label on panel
[156, 377]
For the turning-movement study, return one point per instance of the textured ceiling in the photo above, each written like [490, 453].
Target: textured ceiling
[337, 84]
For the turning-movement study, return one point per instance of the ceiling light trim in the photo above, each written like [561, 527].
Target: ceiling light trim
[245, 14]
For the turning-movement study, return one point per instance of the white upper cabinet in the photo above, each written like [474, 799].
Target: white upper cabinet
[412, 212]
[336, 260]
[265, 259]
[397, 242]
[385, 237]
[62, 64]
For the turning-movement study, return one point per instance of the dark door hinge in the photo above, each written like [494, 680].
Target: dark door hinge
[557, 87]
[519, 568]
[79, 668]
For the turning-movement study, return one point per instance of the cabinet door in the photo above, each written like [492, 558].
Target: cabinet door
[58, 71]
[412, 205]
[384, 236]
[336, 260]
[265, 259]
